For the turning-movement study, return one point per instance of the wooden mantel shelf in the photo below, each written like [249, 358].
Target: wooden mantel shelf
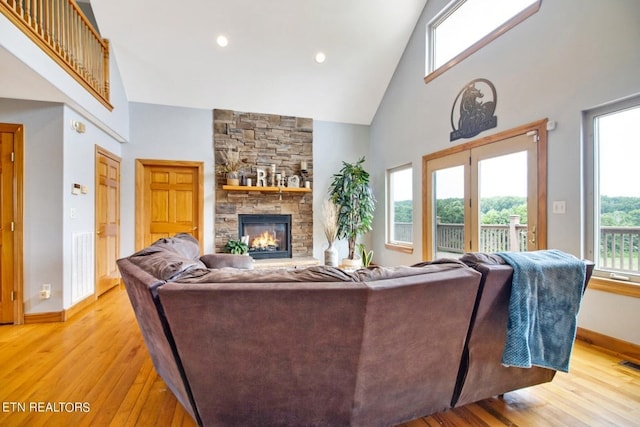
[266, 189]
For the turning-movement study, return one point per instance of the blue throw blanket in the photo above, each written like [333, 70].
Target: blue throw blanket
[545, 298]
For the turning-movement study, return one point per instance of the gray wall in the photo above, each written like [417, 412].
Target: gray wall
[55, 157]
[569, 57]
[43, 231]
[176, 133]
[167, 133]
[334, 143]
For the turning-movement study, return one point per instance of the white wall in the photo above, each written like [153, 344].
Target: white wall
[569, 57]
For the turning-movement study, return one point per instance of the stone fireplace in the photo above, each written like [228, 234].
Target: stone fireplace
[268, 236]
[264, 140]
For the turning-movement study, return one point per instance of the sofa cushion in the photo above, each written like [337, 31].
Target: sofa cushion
[474, 258]
[382, 273]
[227, 260]
[167, 258]
[319, 273]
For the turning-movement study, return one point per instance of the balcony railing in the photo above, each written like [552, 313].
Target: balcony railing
[619, 249]
[619, 246]
[493, 238]
[60, 29]
[403, 231]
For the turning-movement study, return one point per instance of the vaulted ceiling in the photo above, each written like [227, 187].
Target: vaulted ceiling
[167, 53]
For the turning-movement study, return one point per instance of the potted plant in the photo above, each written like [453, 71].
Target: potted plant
[231, 166]
[365, 255]
[351, 192]
[237, 247]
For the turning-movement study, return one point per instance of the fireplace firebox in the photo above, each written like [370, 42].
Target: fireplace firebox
[268, 236]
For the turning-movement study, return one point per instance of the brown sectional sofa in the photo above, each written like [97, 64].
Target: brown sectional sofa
[320, 346]
[482, 375]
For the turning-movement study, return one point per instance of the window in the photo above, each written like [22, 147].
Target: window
[400, 208]
[467, 25]
[613, 194]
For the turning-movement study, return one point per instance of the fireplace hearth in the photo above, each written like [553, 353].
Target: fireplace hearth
[268, 236]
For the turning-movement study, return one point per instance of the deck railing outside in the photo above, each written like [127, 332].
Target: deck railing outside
[493, 238]
[619, 249]
[619, 246]
[61, 29]
[403, 232]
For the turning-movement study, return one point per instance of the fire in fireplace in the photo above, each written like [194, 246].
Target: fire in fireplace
[268, 236]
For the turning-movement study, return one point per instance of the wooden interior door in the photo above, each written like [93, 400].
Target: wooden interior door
[107, 206]
[11, 200]
[169, 200]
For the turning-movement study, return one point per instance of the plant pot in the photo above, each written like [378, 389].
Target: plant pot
[331, 256]
[233, 181]
[350, 264]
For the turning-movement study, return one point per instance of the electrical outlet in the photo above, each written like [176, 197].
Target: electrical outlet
[45, 291]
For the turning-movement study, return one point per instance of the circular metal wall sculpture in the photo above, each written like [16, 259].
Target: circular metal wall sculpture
[473, 110]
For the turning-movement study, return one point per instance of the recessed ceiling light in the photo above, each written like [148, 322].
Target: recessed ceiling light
[222, 41]
[320, 57]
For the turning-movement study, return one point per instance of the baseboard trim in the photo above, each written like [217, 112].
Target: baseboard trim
[54, 316]
[623, 349]
[78, 307]
[60, 316]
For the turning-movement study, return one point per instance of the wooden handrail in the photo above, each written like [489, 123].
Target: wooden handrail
[60, 28]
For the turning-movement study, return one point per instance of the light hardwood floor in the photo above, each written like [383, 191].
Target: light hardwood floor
[94, 370]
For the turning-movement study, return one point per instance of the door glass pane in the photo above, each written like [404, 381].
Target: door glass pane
[449, 221]
[503, 203]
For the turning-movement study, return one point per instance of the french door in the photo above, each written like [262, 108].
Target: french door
[487, 195]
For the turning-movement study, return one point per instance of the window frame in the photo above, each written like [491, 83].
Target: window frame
[432, 72]
[400, 246]
[601, 280]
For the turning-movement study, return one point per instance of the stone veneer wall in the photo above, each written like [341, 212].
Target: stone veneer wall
[263, 140]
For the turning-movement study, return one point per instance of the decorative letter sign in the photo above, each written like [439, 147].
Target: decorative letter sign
[261, 178]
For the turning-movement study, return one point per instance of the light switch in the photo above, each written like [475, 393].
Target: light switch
[559, 207]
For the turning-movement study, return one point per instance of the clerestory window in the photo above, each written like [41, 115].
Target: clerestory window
[465, 26]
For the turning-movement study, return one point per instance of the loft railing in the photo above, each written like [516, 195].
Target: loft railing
[61, 29]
